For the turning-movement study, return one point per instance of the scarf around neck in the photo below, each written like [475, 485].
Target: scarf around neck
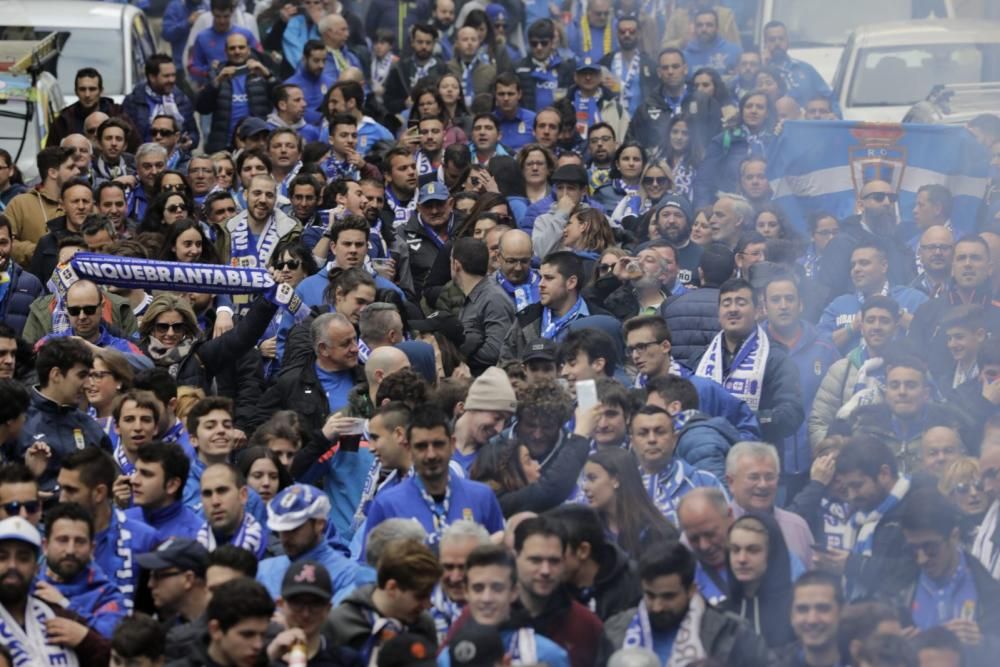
[249, 535]
[30, 645]
[986, 547]
[169, 357]
[687, 646]
[745, 379]
[866, 523]
[524, 294]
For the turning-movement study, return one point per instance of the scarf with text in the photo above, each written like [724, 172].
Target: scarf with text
[745, 379]
[687, 646]
[30, 645]
[244, 250]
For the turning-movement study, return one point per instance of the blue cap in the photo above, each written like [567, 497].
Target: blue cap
[295, 505]
[433, 191]
[252, 126]
[496, 12]
[587, 63]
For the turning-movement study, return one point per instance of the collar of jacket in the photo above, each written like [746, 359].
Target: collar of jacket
[45, 404]
[164, 514]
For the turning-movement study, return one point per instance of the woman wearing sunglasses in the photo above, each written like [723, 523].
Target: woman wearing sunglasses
[166, 209]
[633, 211]
[962, 482]
[291, 263]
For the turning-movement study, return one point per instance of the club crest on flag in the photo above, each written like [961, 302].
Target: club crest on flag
[878, 155]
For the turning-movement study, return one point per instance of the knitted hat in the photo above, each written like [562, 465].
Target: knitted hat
[491, 391]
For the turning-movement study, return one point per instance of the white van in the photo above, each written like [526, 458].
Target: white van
[115, 39]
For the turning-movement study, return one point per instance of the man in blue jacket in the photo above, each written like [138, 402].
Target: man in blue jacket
[812, 353]
[70, 578]
[708, 49]
[20, 288]
[312, 80]
[434, 496]
[178, 18]
[159, 95]
[803, 81]
[298, 515]
[161, 469]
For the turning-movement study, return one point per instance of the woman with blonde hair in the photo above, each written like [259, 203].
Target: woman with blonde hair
[656, 181]
[962, 482]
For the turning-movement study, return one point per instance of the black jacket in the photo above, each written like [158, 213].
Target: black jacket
[422, 250]
[651, 123]
[46, 256]
[890, 567]
[23, 289]
[565, 72]
[835, 269]
[693, 319]
[616, 587]
[527, 328]
[218, 101]
[397, 82]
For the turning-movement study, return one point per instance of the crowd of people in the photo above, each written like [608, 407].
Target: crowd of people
[564, 385]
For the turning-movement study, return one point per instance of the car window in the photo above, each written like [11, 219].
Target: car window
[818, 22]
[904, 75]
[142, 47]
[86, 47]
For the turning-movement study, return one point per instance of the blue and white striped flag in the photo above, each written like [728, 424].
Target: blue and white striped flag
[823, 165]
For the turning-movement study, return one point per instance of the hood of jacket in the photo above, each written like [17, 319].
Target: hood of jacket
[700, 420]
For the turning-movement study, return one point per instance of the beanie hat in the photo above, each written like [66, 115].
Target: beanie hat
[679, 202]
[491, 391]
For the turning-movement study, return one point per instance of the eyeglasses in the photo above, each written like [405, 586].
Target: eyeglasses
[13, 508]
[931, 548]
[936, 247]
[229, 210]
[162, 132]
[880, 197]
[655, 180]
[163, 574]
[164, 327]
[74, 311]
[292, 264]
[965, 488]
[177, 208]
[505, 220]
[605, 268]
[516, 261]
[536, 43]
[640, 347]
[99, 375]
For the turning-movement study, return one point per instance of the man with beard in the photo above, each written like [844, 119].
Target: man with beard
[643, 282]
[257, 231]
[112, 162]
[310, 78]
[543, 73]
[290, 111]
[303, 192]
[601, 146]
[488, 405]
[804, 82]
[877, 221]
[435, 496]
[672, 613]
[34, 632]
[935, 253]
[492, 591]
[409, 70]
[443, 19]
[70, 578]
[88, 86]
[673, 222]
[400, 186]
[111, 203]
[430, 156]
[630, 65]
[159, 94]
[449, 596]
[708, 48]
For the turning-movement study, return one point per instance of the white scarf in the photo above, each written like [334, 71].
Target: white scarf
[984, 548]
[239, 233]
[29, 645]
[867, 523]
[746, 373]
[687, 646]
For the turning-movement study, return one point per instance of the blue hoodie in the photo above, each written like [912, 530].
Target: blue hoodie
[720, 55]
[177, 27]
[116, 548]
[345, 574]
[314, 89]
[92, 596]
[546, 651]
[704, 441]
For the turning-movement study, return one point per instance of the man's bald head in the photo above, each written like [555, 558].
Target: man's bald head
[237, 49]
[384, 361]
[82, 289]
[92, 122]
[514, 255]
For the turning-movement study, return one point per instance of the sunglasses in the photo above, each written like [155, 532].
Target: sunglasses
[230, 210]
[880, 197]
[655, 180]
[164, 327]
[965, 488]
[74, 311]
[605, 268]
[292, 264]
[14, 508]
[157, 132]
[177, 208]
[536, 43]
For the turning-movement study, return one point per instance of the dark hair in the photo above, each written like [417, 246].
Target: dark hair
[430, 418]
[139, 636]
[88, 73]
[341, 119]
[157, 380]
[580, 524]
[509, 79]
[61, 353]
[860, 620]
[813, 219]
[203, 407]
[508, 175]
[659, 326]
[294, 247]
[484, 203]
[14, 400]
[473, 255]
[405, 385]
[235, 558]
[569, 265]
[112, 122]
[938, 638]
[96, 467]
[425, 28]
[866, 454]
[537, 525]
[666, 559]
[821, 578]
[675, 388]
[108, 185]
[594, 343]
[258, 153]
[154, 61]
[74, 183]
[887, 651]
[171, 458]
[496, 555]
[71, 512]
[347, 223]
[52, 157]
[248, 457]
[498, 465]
[238, 600]
[735, 285]
[938, 195]
[884, 302]
[927, 509]
[346, 281]
[152, 221]
[209, 255]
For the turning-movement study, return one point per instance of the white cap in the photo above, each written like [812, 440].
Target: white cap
[18, 528]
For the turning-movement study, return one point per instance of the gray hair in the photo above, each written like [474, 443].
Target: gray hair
[377, 321]
[741, 207]
[328, 21]
[465, 529]
[753, 450]
[322, 323]
[149, 149]
[633, 657]
[710, 494]
[390, 531]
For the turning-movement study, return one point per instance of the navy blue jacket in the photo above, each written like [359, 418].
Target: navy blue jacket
[693, 319]
[704, 442]
[136, 107]
[24, 288]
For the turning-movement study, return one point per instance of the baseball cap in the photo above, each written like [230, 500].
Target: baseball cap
[588, 63]
[476, 645]
[295, 505]
[407, 650]
[252, 126]
[433, 191]
[491, 391]
[443, 321]
[178, 552]
[20, 529]
[307, 577]
[540, 350]
[496, 13]
[679, 202]
[570, 173]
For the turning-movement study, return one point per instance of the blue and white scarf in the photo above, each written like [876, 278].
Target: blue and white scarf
[547, 80]
[551, 329]
[661, 488]
[745, 379]
[687, 645]
[163, 105]
[522, 647]
[401, 212]
[629, 80]
[30, 646]
[684, 179]
[641, 379]
[249, 536]
[524, 294]
[126, 466]
[240, 250]
[339, 170]
[439, 510]
[371, 489]
[422, 71]
[124, 575]
[865, 524]
[444, 611]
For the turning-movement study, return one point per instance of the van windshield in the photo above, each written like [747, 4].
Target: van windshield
[86, 47]
[820, 22]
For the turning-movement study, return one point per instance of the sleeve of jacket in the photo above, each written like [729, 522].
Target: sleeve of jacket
[292, 41]
[705, 449]
[186, 108]
[298, 349]
[249, 389]
[106, 614]
[513, 343]
[782, 394]
[548, 231]
[207, 99]
[705, 178]
[556, 483]
[94, 650]
[827, 401]
[175, 23]
[806, 504]
[394, 97]
[230, 346]
[495, 321]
